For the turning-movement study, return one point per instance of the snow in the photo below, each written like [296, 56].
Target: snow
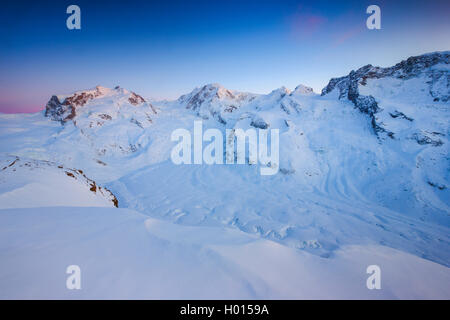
[126, 255]
[344, 197]
[31, 183]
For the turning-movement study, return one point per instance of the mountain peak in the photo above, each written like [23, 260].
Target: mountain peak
[406, 69]
[302, 90]
[282, 91]
[64, 107]
[214, 85]
[356, 87]
[205, 94]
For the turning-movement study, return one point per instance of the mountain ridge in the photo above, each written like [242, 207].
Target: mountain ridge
[339, 182]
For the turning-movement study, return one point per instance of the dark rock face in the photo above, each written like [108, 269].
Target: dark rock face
[259, 123]
[56, 110]
[66, 110]
[410, 68]
[135, 99]
[80, 99]
[423, 139]
[105, 116]
[401, 115]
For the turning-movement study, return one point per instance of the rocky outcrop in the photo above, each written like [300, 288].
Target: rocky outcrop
[64, 108]
[135, 99]
[438, 81]
[57, 110]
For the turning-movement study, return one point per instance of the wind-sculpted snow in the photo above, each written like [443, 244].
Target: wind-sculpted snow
[340, 183]
[123, 254]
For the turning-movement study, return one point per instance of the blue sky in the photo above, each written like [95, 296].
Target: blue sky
[165, 49]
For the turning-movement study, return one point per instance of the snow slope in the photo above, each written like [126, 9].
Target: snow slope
[33, 183]
[124, 254]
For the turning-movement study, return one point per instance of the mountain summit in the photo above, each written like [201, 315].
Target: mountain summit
[424, 77]
[65, 107]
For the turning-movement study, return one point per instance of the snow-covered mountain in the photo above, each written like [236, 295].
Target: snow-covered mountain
[365, 163]
[415, 80]
[102, 116]
[68, 107]
[213, 100]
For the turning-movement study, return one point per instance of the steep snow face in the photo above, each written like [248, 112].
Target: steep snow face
[27, 183]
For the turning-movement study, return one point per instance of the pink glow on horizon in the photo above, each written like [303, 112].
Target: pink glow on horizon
[23, 100]
[20, 109]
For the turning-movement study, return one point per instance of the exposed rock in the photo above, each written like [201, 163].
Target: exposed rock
[401, 115]
[423, 139]
[259, 123]
[105, 116]
[412, 67]
[435, 185]
[135, 99]
[64, 108]
[77, 174]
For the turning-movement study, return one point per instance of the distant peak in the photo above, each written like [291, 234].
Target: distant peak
[280, 91]
[303, 90]
[217, 90]
[406, 69]
[64, 107]
[214, 85]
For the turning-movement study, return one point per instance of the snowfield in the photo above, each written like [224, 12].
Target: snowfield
[363, 180]
[124, 254]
